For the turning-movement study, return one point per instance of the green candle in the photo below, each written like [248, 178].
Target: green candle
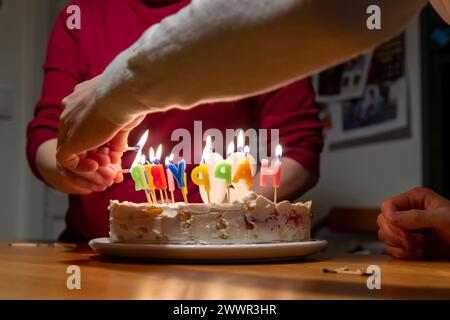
[223, 171]
[138, 175]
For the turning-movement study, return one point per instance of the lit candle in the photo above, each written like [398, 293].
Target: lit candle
[150, 184]
[138, 149]
[223, 170]
[140, 143]
[275, 172]
[241, 187]
[138, 175]
[244, 171]
[179, 173]
[217, 185]
[157, 172]
[200, 176]
[170, 179]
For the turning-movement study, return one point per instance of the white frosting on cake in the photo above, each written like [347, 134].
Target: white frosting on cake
[254, 219]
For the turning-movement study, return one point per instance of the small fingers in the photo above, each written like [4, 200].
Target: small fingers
[102, 159]
[81, 182]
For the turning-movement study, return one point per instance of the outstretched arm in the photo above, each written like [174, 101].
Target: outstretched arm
[221, 50]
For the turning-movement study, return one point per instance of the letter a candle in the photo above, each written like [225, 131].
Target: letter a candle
[241, 185]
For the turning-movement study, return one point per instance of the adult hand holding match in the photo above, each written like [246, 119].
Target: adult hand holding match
[415, 224]
[84, 131]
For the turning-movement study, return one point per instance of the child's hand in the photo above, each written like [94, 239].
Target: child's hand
[69, 182]
[415, 223]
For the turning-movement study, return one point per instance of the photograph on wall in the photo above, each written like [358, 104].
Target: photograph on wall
[382, 106]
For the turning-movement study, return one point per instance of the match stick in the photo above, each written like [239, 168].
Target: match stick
[125, 171]
[171, 195]
[23, 244]
[275, 195]
[135, 149]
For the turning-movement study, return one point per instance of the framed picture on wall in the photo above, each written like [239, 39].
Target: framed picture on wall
[372, 109]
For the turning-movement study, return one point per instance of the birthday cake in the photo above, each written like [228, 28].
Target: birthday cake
[253, 219]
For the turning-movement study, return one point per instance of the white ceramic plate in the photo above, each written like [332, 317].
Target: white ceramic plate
[232, 252]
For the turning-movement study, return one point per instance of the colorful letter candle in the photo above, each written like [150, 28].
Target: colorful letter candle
[240, 164]
[138, 174]
[275, 172]
[150, 184]
[244, 171]
[170, 179]
[179, 174]
[157, 172]
[200, 176]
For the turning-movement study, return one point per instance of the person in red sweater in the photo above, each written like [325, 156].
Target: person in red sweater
[74, 56]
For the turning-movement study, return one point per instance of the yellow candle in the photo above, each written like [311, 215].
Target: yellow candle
[200, 176]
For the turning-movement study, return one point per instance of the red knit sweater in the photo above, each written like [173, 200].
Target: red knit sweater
[107, 28]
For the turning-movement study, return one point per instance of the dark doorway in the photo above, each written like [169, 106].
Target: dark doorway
[436, 102]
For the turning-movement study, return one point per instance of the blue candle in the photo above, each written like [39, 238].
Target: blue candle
[178, 172]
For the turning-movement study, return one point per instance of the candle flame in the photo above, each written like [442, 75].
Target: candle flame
[240, 142]
[230, 149]
[137, 159]
[142, 140]
[158, 153]
[142, 159]
[209, 142]
[278, 152]
[151, 155]
[169, 159]
[246, 150]
[206, 150]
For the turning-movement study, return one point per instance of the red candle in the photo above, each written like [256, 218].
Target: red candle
[275, 172]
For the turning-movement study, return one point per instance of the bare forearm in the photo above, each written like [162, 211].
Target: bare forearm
[295, 181]
[222, 50]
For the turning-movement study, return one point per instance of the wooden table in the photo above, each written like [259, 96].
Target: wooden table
[40, 273]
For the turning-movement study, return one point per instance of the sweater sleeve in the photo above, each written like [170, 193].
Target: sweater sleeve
[215, 50]
[61, 74]
[293, 112]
